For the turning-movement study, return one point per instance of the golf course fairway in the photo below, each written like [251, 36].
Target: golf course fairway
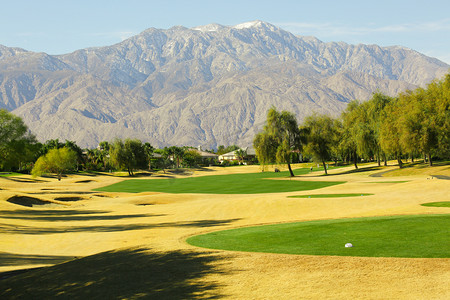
[410, 236]
[251, 183]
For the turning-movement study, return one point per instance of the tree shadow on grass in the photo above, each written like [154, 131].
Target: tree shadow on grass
[23, 229]
[24, 180]
[13, 259]
[128, 273]
[51, 212]
[79, 217]
[360, 170]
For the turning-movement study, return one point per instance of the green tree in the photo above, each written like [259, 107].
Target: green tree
[391, 130]
[348, 144]
[17, 145]
[336, 150]
[281, 130]
[191, 158]
[437, 121]
[320, 132]
[56, 161]
[148, 149]
[104, 146]
[177, 154]
[241, 154]
[265, 148]
[222, 149]
[375, 111]
[129, 155]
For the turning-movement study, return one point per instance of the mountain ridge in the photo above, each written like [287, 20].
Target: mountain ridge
[207, 85]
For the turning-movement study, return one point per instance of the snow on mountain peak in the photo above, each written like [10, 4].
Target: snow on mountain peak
[256, 23]
[209, 27]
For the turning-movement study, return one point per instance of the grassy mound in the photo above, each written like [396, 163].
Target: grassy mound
[330, 195]
[437, 204]
[252, 183]
[399, 236]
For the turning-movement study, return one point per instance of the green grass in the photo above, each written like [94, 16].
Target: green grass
[8, 174]
[252, 183]
[330, 195]
[396, 236]
[437, 204]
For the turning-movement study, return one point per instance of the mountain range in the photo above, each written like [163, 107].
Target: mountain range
[205, 86]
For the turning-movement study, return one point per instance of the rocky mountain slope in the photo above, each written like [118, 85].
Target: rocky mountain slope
[207, 86]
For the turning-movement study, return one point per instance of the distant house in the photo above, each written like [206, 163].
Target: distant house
[232, 156]
[207, 158]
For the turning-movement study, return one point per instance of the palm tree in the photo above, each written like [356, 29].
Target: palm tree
[241, 154]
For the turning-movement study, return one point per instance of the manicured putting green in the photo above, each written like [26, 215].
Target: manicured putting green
[252, 183]
[437, 204]
[397, 236]
[330, 195]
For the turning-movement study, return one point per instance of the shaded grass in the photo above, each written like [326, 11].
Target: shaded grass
[330, 195]
[252, 183]
[396, 236]
[437, 204]
[14, 259]
[122, 274]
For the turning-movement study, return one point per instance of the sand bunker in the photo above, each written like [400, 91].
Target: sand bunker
[69, 198]
[27, 201]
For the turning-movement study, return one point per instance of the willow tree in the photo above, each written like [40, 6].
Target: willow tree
[375, 112]
[279, 139]
[129, 154]
[348, 143]
[391, 131]
[321, 135]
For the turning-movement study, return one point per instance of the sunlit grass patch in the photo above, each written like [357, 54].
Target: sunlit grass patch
[437, 204]
[8, 174]
[251, 183]
[395, 236]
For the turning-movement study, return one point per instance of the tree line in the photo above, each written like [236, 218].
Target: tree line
[414, 124]
[20, 151]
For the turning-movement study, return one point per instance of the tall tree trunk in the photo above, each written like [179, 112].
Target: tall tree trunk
[378, 159]
[355, 160]
[399, 160]
[430, 162]
[385, 159]
[290, 170]
[324, 167]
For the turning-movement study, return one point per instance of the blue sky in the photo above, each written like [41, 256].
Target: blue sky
[62, 26]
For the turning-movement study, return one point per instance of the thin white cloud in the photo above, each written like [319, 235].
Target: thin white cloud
[329, 29]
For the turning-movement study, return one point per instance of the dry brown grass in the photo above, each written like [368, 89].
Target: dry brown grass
[106, 221]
